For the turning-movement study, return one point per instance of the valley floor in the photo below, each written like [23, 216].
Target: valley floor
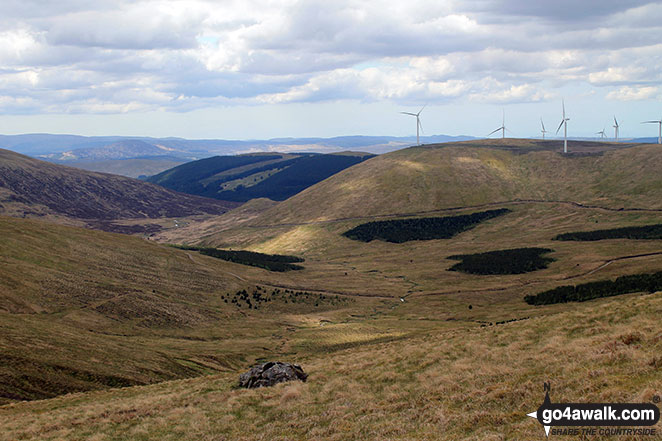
[474, 384]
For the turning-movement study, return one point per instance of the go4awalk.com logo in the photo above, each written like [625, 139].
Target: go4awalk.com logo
[632, 419]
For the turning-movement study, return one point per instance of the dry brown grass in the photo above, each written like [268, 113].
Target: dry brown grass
[84, 310]
[427, 368]
[471, 384]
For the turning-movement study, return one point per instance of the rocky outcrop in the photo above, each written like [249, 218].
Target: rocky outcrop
[270, 373]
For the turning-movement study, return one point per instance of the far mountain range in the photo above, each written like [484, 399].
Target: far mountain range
[140, 157]
[73, 147]
[145, 156]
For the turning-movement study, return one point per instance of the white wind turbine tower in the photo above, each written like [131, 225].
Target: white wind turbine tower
[659, 123]
[616, 127]
[418, 122]
[502, 128]
[543, 131]
[564, 122]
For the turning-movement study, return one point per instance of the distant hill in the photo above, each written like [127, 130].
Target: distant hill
[140, 168]
[30, 187]
[474, 173]
[47, 145]
[124, 149]
[245, 177]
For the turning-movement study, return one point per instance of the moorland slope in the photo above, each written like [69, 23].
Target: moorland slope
[83, 309]
[414, 351]
[30, 187]
[475, 173]
[463, 384]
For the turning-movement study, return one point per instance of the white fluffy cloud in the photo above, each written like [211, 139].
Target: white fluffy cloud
[122, 56]
[627, 93]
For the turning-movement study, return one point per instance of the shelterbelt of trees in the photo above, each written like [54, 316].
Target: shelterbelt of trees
[643, 232]
[427, 228]
[271, 262]
[514, 261]
[593, 290]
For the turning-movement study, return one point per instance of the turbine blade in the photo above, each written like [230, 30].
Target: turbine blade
[615, 122]
[560, 125]
[494, 131]
[409, 113]
[419, 112]
[651, 122]
[563, 104]
[542, 124]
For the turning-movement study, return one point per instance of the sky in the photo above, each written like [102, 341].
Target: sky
[255, 69]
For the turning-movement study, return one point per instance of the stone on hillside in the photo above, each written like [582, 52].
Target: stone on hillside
[270, 373]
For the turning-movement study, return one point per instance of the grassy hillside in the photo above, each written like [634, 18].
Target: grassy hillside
[475, 173]
[397, 346]
[464, 384]
[124, 311]
[549, 194]
[244, 177]
[29, 187]
[83, 309]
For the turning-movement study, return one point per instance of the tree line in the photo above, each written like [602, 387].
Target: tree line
[427, 228]
[514, 261]
[594, 290]
[644, 232]
[271, 262]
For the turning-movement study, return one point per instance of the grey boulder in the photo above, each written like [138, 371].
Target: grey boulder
[270, 373]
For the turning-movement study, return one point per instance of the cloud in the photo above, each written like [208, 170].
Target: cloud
[124, 56]
[499, 93]
[627, 93]
[559, 10]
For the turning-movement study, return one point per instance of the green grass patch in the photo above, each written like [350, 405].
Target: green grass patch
[271, 262]
[644, 232]
[515, 261]
[427, 228]
[594, 290]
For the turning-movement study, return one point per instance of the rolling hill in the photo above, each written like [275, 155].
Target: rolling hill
[475, 173]
[122, 149]
[49, 144]
[83, 309]
[30, 187]
[598, 186]
[245, 177]
[403, 348]
[139, 168]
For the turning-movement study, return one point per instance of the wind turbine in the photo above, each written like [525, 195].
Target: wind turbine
[418, 122]
[564, 122]
[502, 128]
[543, 131]
[601, 133]
[616, 127]
[659, 123]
